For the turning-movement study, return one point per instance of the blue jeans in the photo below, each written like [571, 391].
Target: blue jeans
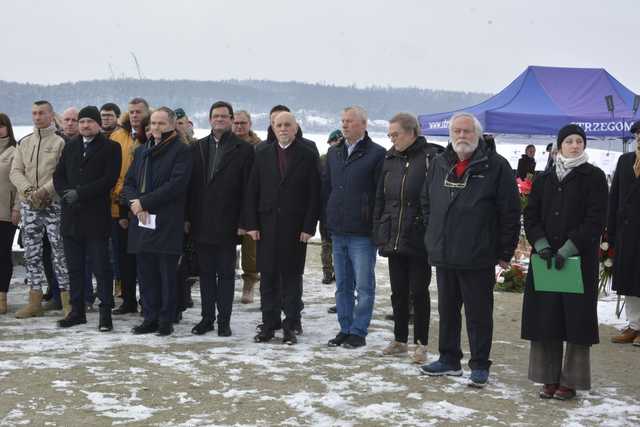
[354, 262]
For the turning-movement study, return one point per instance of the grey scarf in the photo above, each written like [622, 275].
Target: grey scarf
[564, 165]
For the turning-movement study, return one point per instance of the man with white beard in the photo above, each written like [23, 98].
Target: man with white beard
[471, 208]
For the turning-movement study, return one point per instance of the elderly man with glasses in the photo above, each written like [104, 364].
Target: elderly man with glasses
[472, 212]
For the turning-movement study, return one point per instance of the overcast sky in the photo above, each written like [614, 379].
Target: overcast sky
[458, 45]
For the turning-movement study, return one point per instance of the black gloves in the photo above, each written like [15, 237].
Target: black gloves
[70, 196]
[547, 255]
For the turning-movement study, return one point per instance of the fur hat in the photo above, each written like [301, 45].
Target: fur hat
[90, 112]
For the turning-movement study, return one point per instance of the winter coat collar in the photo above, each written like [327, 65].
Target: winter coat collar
[419, 145]
[45, 132]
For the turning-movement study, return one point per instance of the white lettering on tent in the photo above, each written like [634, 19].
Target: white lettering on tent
[442, 124]
[612, 126]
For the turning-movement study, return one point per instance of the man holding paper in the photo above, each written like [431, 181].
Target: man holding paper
[155, 188]
[565, 217]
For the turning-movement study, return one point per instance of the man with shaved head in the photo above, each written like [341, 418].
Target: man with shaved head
[282, 210]
[69, 123]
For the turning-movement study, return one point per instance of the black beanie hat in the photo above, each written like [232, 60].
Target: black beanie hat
[571, 130]
[110, 106]
[90, 112]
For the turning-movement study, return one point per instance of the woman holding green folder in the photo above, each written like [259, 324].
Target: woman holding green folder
[565, 217]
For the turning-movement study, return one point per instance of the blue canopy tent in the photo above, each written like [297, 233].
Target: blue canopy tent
[543, 99]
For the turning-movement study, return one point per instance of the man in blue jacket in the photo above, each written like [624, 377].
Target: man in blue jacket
[353, 170]
[156, 187]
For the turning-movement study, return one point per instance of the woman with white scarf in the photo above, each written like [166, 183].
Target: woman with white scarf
[564, 217]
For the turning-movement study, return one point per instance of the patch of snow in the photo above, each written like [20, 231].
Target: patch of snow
[447, 411]
[109, 405]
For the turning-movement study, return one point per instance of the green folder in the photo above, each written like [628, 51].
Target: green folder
[567, 280]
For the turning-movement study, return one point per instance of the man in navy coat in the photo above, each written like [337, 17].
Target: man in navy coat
[155, 188]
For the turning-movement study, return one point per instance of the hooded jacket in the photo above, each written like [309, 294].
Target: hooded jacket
[472, 221]
[35, 161]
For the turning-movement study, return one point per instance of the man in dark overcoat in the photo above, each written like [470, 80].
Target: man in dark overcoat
[282, 210]
[155, 188]
[221, 167]
[84, 178]
[624, 237]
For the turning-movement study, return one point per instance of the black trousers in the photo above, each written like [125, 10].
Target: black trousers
[280, 292]
[474, 289]
[7, 231]
[158, 283]
[217, 279]
[410, 276]
[128, 268]
[76, 251]
[187, 267]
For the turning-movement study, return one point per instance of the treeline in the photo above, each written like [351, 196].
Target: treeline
[312, 101]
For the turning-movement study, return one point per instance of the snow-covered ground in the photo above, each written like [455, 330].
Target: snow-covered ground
[50, 376]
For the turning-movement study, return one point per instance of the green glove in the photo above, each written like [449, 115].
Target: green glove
[567, 250]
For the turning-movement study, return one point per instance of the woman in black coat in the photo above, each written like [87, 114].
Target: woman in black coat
[399, 231]
[565, 216]
[624, 236]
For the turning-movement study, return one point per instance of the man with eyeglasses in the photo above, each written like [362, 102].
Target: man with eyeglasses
[242, 129]
[221, 167]
[471, 208]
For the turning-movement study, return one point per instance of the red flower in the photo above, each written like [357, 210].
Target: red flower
[524, 186]
[611, 252]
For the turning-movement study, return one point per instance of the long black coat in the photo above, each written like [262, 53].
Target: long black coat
[93, 176]
[164, 195]
[215, 205]
[282, 208]
[471, 226]
[575, 209]
[398, 224]
[526, 165]
[624, 227]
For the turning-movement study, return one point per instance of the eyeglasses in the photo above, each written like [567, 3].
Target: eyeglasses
[451, 184]
[240, 123]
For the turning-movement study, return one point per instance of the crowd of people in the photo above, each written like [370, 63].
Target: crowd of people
[136, 197]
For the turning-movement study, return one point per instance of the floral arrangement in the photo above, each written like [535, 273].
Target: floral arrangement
[511, 280]
[606, 266]
[524, 187]
[606, 254]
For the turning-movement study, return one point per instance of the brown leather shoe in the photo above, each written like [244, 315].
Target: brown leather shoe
[564, 393]
[548, 390]
[636, 342]
[626, 336]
